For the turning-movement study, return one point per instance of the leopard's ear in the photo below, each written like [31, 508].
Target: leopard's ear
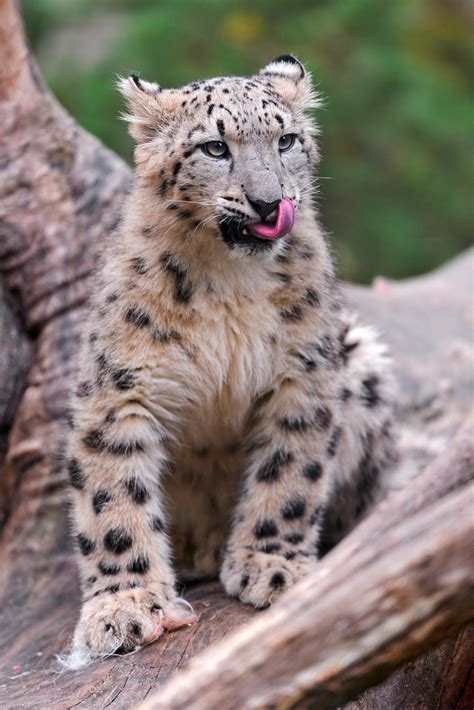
[291, 80]
[150, 106]
[286, 66]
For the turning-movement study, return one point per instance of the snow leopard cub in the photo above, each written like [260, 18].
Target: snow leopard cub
[227, 408]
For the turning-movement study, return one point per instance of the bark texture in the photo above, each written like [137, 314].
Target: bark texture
[60, 197]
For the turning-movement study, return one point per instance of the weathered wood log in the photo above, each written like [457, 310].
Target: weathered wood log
[15, 352]
[442, 678]
[394, 587]
[60, 197]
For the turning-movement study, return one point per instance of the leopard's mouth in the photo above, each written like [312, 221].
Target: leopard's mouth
[279, 223]
[260, 235]
[270, 222]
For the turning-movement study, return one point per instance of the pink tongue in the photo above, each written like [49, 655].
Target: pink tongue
[283, 225]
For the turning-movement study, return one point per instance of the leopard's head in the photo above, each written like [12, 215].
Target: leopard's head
[232, 156]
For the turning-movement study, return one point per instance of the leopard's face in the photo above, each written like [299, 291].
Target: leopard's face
[233, 156]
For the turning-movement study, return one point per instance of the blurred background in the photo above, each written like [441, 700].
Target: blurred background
[397, 171]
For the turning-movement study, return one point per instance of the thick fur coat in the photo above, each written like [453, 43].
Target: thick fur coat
[228, 412]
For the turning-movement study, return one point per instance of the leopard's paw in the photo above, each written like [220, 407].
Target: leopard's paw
[258, 578]
[121, 622]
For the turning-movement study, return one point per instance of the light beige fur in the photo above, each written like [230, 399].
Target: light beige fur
[224, 396]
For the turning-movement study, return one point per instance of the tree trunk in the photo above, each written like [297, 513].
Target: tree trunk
[60, 197]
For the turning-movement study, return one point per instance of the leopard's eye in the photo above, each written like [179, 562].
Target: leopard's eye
[286, 142]
[216, 149]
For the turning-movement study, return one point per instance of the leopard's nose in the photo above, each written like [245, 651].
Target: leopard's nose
[263, 209]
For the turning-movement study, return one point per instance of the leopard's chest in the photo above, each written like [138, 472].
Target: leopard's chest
[239, 348]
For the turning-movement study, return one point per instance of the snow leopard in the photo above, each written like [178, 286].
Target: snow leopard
[230, 416]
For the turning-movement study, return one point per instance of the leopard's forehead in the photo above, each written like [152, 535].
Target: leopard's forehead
[236, 88]
[239, 106]
[275, 100]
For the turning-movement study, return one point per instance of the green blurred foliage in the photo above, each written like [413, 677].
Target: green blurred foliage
[396, 126]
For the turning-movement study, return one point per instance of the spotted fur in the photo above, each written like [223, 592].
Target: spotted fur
[219, 371]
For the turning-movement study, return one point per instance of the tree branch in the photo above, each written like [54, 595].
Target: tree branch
[19, 79]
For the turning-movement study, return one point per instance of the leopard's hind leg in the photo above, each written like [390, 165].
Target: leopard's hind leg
[367, 449]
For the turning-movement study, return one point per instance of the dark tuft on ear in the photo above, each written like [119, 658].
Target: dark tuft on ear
[290, 59]
[286, 66]
[291, 80]
[135, 76]
[145, 114]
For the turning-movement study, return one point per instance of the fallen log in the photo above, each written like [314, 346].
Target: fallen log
[60, 197]
[394, 587]
[15, 353]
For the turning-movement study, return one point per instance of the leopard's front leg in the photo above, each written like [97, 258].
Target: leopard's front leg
[290, 451]
[117, 454]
